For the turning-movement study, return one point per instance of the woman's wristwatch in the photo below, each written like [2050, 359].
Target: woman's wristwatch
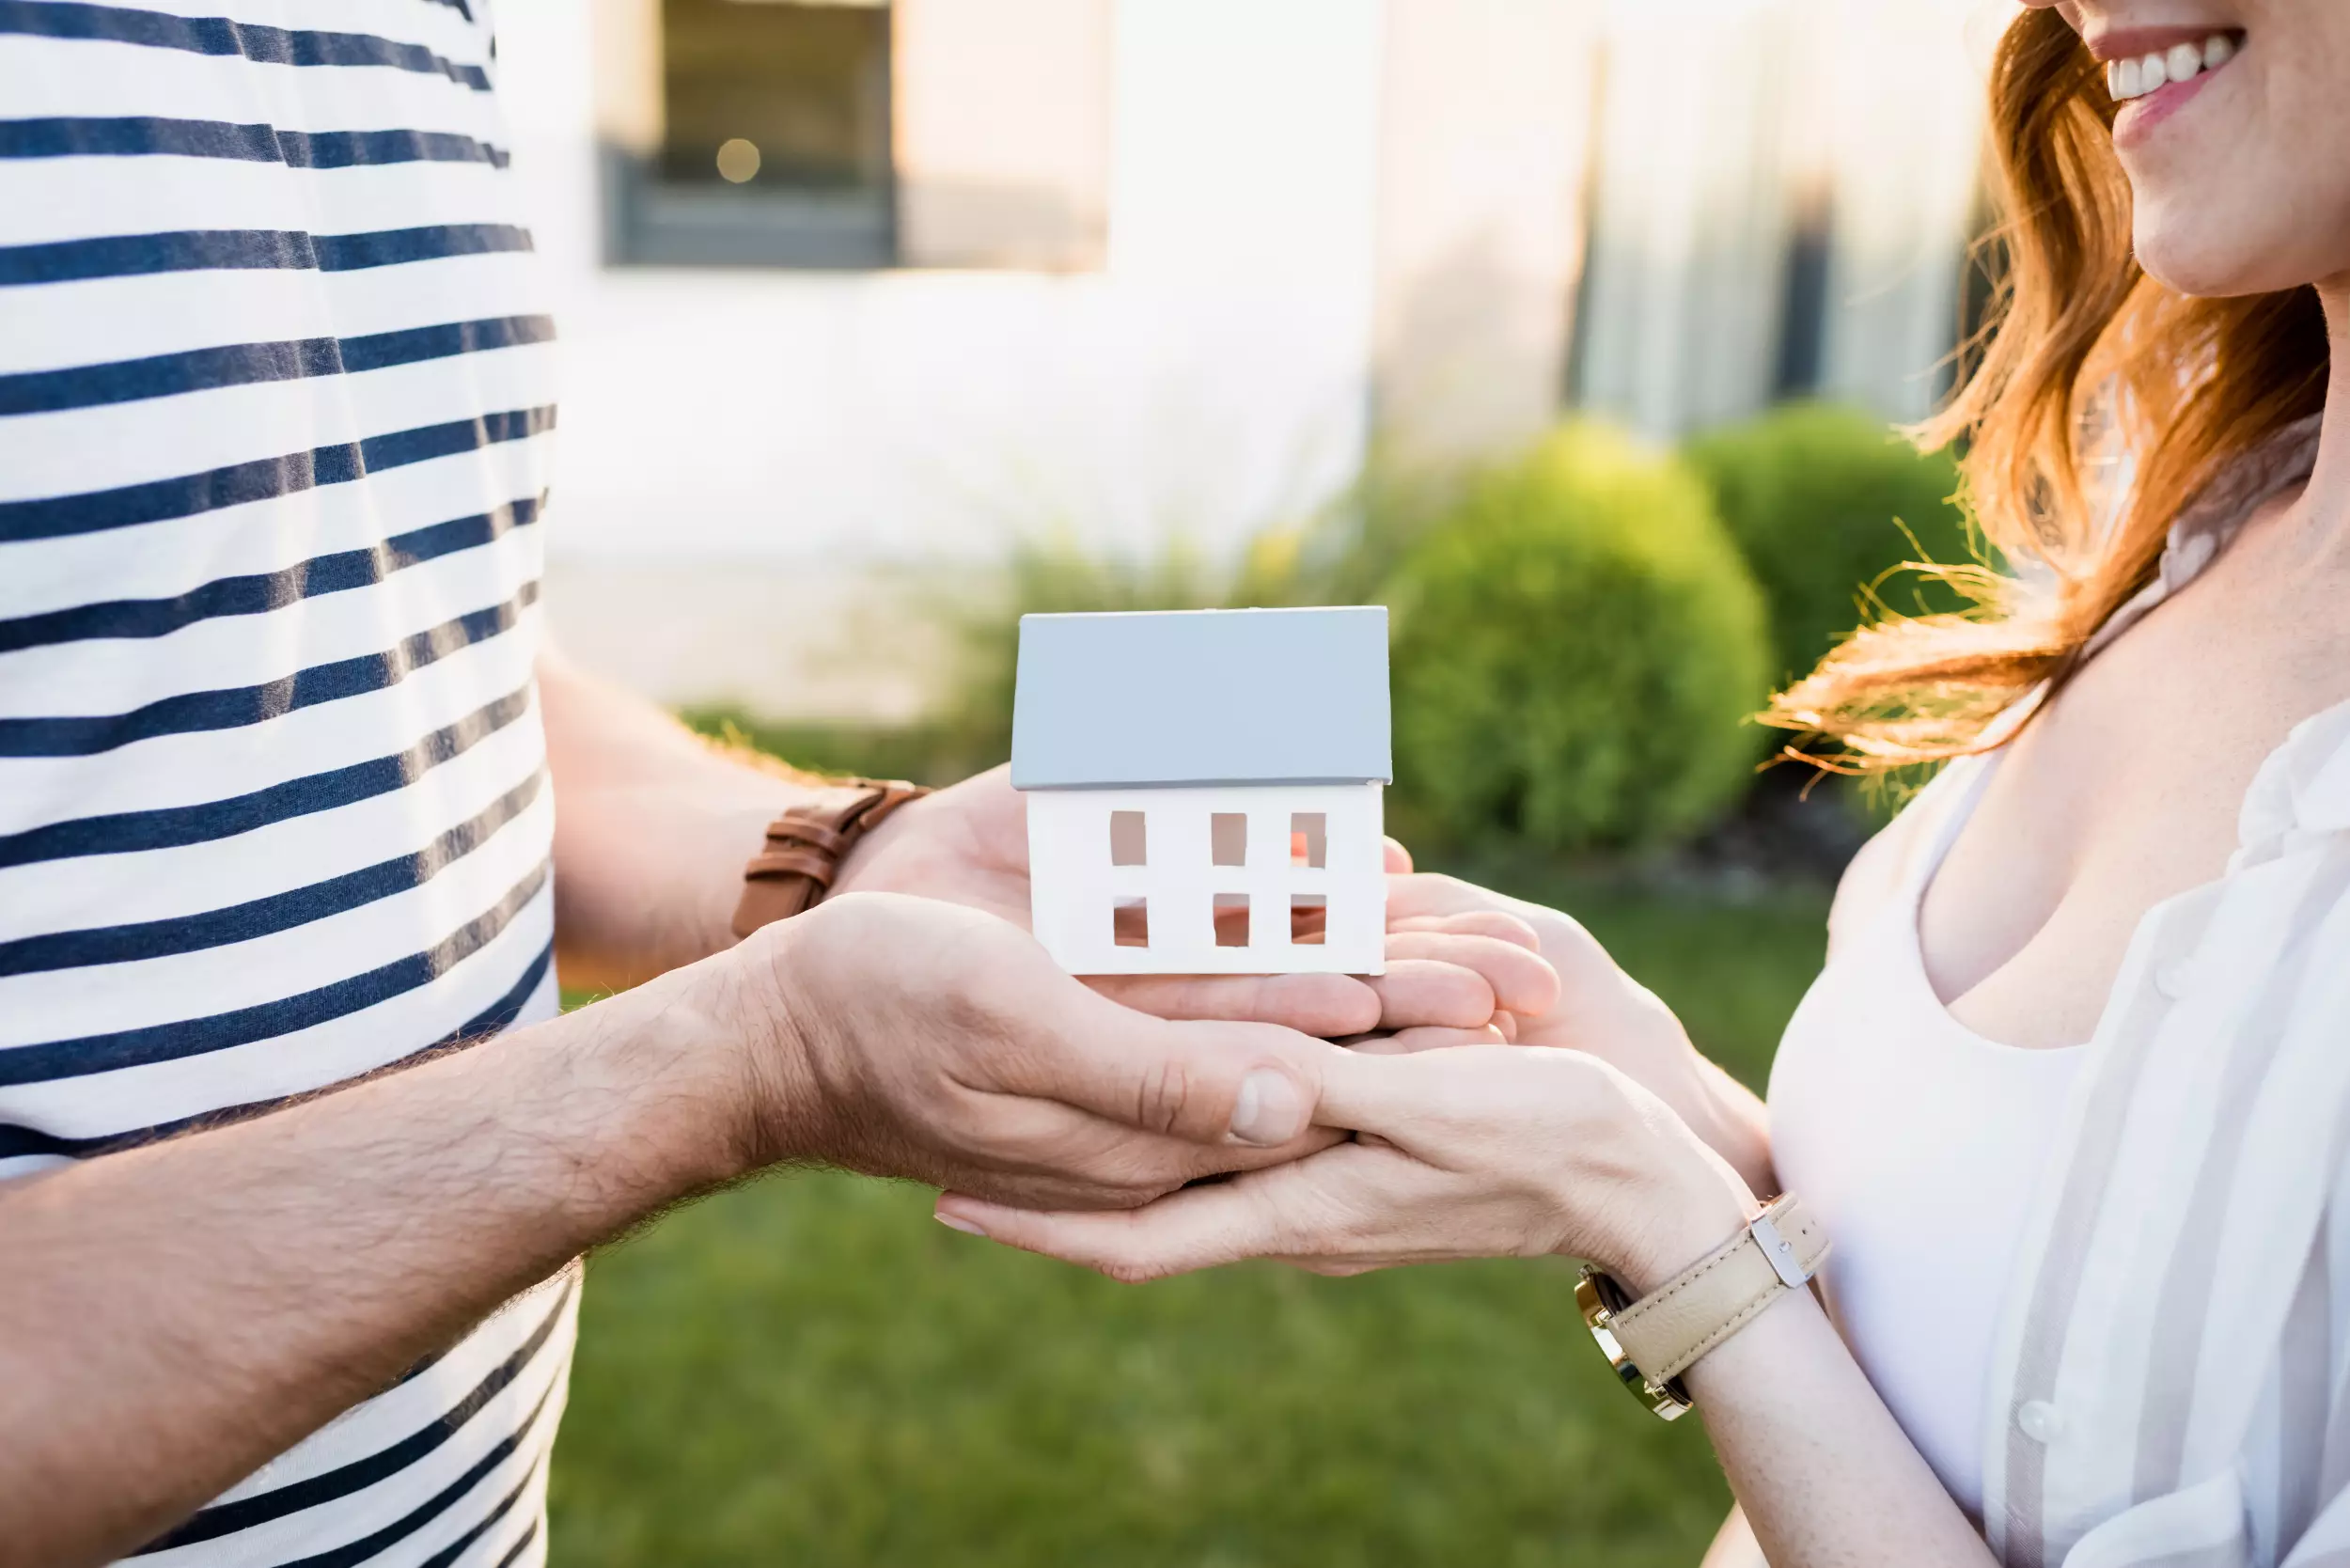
[1653, 1341]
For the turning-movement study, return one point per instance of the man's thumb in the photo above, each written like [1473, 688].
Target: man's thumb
[1205, 1082]
[1270, 1108]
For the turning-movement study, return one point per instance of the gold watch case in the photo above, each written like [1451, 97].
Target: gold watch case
[1600, 1298]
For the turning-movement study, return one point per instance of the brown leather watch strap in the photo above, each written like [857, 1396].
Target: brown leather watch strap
[806, 844]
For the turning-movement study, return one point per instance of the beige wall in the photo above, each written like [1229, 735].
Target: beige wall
[626, 60]
[1717, 122]
[1485, 114]
[1003, 132]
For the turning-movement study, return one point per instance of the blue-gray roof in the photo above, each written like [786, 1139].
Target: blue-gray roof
[1201, 697]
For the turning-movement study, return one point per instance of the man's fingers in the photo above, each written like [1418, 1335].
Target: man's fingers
[1202, 1081]
[1324, 1005]
[1046, 1155]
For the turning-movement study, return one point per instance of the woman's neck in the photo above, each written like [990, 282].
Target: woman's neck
[2322, 515]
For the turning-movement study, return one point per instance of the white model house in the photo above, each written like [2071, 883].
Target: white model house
[1204, 788]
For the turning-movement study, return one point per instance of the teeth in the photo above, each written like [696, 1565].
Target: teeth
[2180, 62]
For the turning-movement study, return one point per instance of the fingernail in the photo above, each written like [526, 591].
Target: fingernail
[1269, 1109]
[956, 1222]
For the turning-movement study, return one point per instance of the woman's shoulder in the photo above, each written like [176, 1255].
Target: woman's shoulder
[1880, 875]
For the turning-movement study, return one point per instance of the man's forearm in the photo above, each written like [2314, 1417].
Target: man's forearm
[270, 1275]
[652, 826]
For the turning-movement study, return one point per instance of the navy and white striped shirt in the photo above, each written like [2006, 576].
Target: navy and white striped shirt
[275, 406]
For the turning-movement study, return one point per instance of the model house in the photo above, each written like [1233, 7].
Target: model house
[1203, 789]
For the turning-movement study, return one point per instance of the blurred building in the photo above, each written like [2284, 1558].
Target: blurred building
[858, 284]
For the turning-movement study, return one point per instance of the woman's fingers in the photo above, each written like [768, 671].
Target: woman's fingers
[1418, 993]
[1355, 1207]
[1415, 893]
[1398, 859]
[1405, 1042]
[1197, 1228]
[1427, 1101]
[1516, 976]
[1472, 923]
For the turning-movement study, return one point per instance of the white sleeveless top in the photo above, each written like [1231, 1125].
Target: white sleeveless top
[1918, 1144]
[1929, 1153]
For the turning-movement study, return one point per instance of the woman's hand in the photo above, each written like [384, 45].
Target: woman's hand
[1476, 1152]
[1601, 1011]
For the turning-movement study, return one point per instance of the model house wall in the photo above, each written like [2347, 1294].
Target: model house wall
[1210, 881]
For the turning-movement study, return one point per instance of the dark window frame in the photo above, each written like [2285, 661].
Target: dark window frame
[653, 221]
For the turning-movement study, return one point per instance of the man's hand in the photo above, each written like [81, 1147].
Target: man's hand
[199, 1305]
[969, 844]
[656, 824]
[904, 1037]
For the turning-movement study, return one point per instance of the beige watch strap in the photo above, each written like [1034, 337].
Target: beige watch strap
[1670, 1328]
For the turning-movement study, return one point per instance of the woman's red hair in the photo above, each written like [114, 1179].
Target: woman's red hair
[2085, 361]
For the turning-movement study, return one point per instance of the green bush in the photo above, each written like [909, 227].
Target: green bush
[1577, 646]
[1819, 496]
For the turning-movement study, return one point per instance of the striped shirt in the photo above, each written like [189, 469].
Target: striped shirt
[2170, 1373]
[276, 405]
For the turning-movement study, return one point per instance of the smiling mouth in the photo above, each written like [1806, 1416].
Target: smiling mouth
[2181, 62]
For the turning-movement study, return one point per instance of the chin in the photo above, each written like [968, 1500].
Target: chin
[2211, 261]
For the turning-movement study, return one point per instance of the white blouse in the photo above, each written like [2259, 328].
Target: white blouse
[2169, 1377]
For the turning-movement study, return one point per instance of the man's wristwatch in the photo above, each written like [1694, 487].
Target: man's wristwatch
[1651, 1342]
[807, 844]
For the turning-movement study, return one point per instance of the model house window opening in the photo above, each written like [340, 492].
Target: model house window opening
[1310, 920]
[1231, 920]
[1309, 839]
[1130, 843]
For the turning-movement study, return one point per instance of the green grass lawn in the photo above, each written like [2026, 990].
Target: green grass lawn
[809, 1371]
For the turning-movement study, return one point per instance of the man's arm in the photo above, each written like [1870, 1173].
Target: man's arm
[174, 1316]
[654, 826]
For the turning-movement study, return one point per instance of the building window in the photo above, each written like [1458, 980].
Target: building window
[855, 133]
[775, 141]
